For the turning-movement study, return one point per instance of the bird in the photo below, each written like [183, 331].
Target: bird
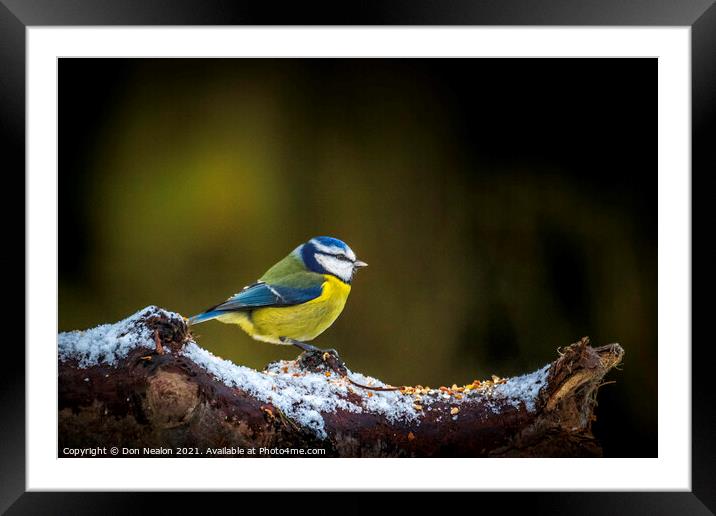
[295, 300]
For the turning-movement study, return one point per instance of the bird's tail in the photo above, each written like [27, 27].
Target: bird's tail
[206, 316]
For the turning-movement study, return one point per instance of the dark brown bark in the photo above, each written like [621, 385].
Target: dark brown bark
[161, 398]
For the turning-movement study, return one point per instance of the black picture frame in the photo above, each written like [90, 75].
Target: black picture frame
[700, 15]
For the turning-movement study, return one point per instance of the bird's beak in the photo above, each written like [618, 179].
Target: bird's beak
[358, 264]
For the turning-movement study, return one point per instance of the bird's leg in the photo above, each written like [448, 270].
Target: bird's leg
[301, 345]
[308, 347]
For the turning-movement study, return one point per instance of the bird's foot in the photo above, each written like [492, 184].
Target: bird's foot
[334, 361]
[322, 360]
[317, 359]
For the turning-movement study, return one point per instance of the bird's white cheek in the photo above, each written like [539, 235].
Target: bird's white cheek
[340, 268]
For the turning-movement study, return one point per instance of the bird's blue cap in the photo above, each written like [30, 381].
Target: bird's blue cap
[329, 242]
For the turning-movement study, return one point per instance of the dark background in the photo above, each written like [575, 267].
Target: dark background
[507, 207]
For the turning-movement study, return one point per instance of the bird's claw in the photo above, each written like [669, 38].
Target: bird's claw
[322, 359]
[328, 352]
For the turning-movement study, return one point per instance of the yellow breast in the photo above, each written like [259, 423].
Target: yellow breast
[302, 322]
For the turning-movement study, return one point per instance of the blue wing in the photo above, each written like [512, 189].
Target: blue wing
[260, 295]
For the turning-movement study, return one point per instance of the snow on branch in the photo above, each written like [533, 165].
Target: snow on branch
[145, 382]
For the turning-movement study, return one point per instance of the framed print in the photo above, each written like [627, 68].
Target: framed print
[204, 198]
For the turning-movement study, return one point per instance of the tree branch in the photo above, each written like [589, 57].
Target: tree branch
[143, 383]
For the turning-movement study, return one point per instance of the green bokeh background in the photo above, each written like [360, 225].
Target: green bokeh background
[493, 237]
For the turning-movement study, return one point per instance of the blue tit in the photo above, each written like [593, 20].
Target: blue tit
[295, 300]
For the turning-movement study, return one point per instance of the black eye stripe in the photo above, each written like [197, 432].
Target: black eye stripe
[341, 257]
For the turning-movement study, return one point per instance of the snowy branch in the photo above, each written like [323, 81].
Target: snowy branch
[144, 383]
